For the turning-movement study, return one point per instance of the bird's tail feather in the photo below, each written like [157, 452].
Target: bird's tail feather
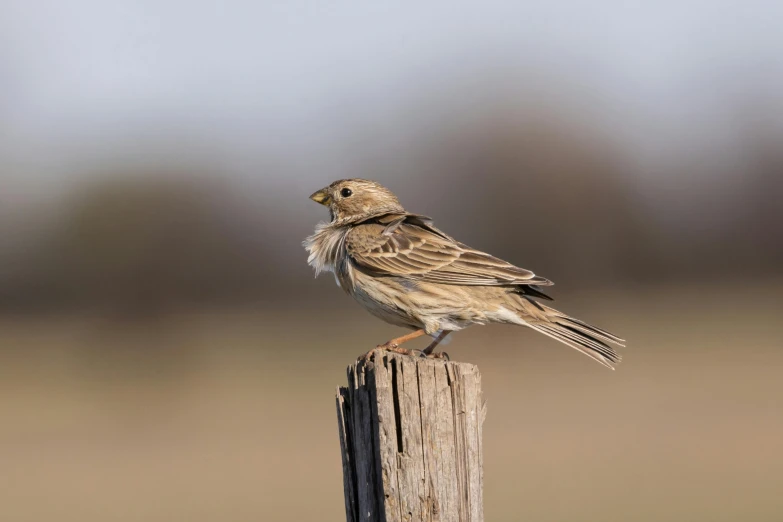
[590, 340]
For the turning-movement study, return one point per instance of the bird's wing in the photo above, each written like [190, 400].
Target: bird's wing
[406, 245]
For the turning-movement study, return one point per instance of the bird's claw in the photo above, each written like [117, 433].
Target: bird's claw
[367, 357]
[394, 348]
[385, 347]
[431, 355]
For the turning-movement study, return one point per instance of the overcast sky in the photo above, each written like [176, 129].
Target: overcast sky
[82, 73]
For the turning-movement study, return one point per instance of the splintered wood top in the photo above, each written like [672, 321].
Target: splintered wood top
[410, 433]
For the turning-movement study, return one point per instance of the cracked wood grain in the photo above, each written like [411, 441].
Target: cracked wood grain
[410, 436]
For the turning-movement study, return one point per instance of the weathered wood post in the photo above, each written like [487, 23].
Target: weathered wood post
[410, 434]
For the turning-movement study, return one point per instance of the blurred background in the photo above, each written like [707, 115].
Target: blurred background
[165, 353]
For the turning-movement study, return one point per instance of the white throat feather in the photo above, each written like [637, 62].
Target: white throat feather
[324, 246]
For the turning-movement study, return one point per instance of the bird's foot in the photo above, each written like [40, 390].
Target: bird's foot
[391, 347]
[395, 348]
[385, 347]
[438, 355]
[432, 355]
[367, 357]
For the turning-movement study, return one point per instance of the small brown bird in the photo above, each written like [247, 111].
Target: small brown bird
[407, 272]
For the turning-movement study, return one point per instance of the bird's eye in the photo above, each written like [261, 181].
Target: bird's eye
[346, 192]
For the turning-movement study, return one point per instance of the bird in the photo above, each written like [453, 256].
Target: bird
[407, 272]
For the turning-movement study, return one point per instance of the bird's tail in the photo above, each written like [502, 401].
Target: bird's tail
[588, 339]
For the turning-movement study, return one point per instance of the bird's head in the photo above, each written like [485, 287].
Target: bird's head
[352, 199]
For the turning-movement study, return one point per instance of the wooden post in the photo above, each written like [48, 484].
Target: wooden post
[410, 434]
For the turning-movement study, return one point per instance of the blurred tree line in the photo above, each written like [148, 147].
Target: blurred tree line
[560, 199]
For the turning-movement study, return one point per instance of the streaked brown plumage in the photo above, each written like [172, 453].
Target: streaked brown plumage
[407, 272]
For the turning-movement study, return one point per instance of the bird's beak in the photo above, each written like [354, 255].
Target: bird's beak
[322, 197]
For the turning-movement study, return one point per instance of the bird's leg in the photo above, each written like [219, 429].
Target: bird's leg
[394, 345]
[439, 355]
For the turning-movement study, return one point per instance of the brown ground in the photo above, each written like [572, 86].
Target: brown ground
[216, 417]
